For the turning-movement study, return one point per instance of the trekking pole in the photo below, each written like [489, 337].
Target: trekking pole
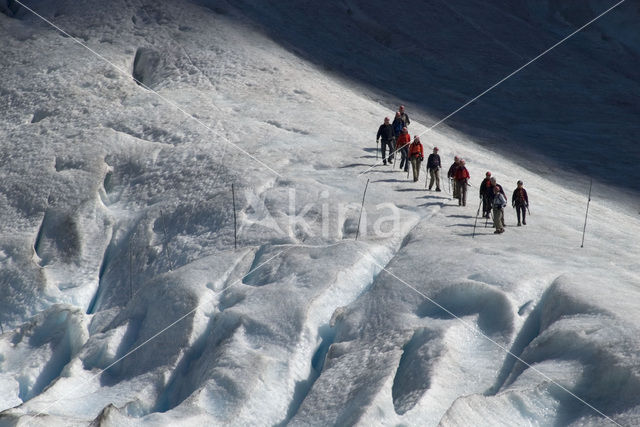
[587, 214]
[376, 150]
[361, 209]
[476, 221]
[426, 176]
[235, 225]
[409, 169]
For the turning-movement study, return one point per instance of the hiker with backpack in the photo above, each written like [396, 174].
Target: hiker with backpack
[486, 195]
[397, 124]
[451, 173]
[498, 204]
[416, 155]
[404, 116]
[402, 145]
[520, 201]
[386, 135]
[462, 176]
[433, 166]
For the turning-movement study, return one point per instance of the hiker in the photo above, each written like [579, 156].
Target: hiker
[433, 166]
[494, 184]
[405, 118]
[486, 195]
[385, 133]
[520, 201]
[498, 204]
[416, 155]
[450, 175]
[462, 176]
[402, 145]
[397, 124]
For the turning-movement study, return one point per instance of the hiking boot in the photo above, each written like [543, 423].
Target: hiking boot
[496, 232]
[519, 224]
[384, 162]
[437, 189]
[524, 222]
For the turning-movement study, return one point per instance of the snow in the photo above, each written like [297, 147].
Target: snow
[124, 302]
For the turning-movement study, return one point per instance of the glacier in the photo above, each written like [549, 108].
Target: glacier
[127, 297]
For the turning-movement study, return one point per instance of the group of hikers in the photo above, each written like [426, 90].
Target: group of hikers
[395, 137]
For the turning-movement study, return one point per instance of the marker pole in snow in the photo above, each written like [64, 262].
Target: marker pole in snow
[587, 214]
[166, 241]
[361, 209]
[235, 222]
[130, 272]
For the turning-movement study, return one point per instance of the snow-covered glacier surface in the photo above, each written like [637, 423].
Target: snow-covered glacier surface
[137, 133]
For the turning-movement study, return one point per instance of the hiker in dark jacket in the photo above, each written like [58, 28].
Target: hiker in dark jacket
[486, 195]
[386, 134]
[405, 118]
[397, 124]
[451, 173]
[433, 166]
[520, 201]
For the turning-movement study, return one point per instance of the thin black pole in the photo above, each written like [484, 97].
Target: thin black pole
[235, 224]
[587, 214]
[476, 221]
[166, 239]
[130, 272]
[361, 209]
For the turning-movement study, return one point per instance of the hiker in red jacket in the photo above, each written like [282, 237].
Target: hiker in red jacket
[416, 155]
[402, 145]
[462, 176]
[520, 201]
